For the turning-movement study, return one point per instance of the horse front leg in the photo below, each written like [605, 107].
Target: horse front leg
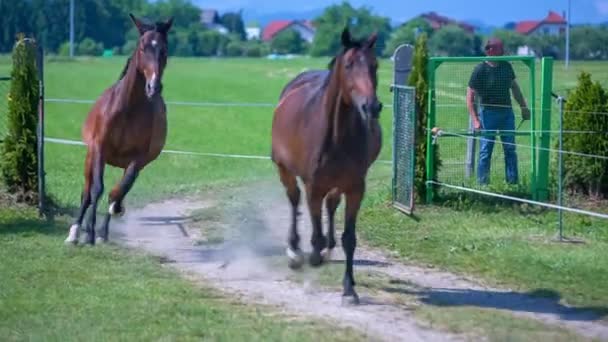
[116, 197]
[332, 201]
[318, 240]
[96, 192]
[349, 242]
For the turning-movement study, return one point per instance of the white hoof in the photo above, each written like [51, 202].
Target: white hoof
[296, 259]
[114, 212]
[100, 240]
[73, 235]
[326, 254]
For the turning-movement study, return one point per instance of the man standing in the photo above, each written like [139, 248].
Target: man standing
[493, 82]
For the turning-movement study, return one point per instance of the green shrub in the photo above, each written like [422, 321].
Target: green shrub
[586, 175]
[19, 162]
[419, 79]
[64, 49]
[88, 47]
[235, 49]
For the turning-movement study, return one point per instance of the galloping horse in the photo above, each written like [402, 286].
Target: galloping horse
[126, 127]
[326, 132]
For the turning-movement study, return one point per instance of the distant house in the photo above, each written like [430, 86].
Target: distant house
[253, 33]
[303, 27]
[552, 24]
[438, 21]
[210, 19]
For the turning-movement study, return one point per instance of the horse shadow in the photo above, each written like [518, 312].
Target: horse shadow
[539, 301]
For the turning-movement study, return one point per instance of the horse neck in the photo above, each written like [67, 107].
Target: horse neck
[132, 87]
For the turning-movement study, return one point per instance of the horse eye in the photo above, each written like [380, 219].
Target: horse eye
[349, 64]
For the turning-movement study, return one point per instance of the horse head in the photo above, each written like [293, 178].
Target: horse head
[357, 67]
[151, 52]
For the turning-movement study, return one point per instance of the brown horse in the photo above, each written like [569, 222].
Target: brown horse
[326, 132]
[126, 127]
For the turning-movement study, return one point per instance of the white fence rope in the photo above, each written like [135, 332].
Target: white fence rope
[190, 153]
[441, 132]
[184, 103]
[517, 199]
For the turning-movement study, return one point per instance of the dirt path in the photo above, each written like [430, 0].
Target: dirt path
[248, 260]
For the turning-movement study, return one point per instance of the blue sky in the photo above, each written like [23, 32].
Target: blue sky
[494, 13]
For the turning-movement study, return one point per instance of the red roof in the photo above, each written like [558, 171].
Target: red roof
[438, 21]
[526, 27]
[274, 27]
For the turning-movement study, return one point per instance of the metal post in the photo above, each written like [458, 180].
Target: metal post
[71, 28]
[41, 174]
[560, 173]
[568, 34]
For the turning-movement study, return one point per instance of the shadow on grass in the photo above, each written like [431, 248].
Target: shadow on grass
[540, 301]
[18, 218]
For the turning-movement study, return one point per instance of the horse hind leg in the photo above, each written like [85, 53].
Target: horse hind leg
[96, 192]
[85, 202]
[115, 199]
[332, 201]
[296, 259]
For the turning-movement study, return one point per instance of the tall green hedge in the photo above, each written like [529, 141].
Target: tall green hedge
[585, 110]
[19, 162]
[419, 79]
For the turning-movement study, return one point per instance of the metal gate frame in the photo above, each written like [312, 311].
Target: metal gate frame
[403, 179]
[404, 148]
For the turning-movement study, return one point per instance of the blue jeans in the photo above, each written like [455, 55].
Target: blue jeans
[497, 119]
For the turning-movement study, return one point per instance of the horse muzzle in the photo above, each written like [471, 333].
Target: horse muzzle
[153, 88]
[372, 109]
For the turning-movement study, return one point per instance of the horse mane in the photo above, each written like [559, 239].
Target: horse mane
[156, 27]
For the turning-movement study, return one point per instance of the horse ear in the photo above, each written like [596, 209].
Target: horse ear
[141, 27]
[167, 25]
[346, 37]
[371, 41]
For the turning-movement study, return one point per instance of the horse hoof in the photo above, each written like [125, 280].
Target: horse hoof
[101, 241]
[296, 260]
[350, 300]
[72, 238]
[89, 239]
[326, 253]
[116, 210]
[316, 259]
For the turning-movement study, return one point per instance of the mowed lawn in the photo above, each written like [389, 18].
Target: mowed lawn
[508, 245]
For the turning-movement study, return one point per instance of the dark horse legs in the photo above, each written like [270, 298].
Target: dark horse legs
[332, 201]
[85, 201]
[98, 165]
[116, 197]
[293, 193]
[318, 240]
[349, 242]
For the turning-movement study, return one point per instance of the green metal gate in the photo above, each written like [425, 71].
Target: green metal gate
[404, 146]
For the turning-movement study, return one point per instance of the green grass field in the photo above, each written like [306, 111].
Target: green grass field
[508, 245]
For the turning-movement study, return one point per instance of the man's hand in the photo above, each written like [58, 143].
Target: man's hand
[476, 124]
[525, 113]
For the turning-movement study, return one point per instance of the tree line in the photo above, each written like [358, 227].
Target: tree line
[105, 24]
